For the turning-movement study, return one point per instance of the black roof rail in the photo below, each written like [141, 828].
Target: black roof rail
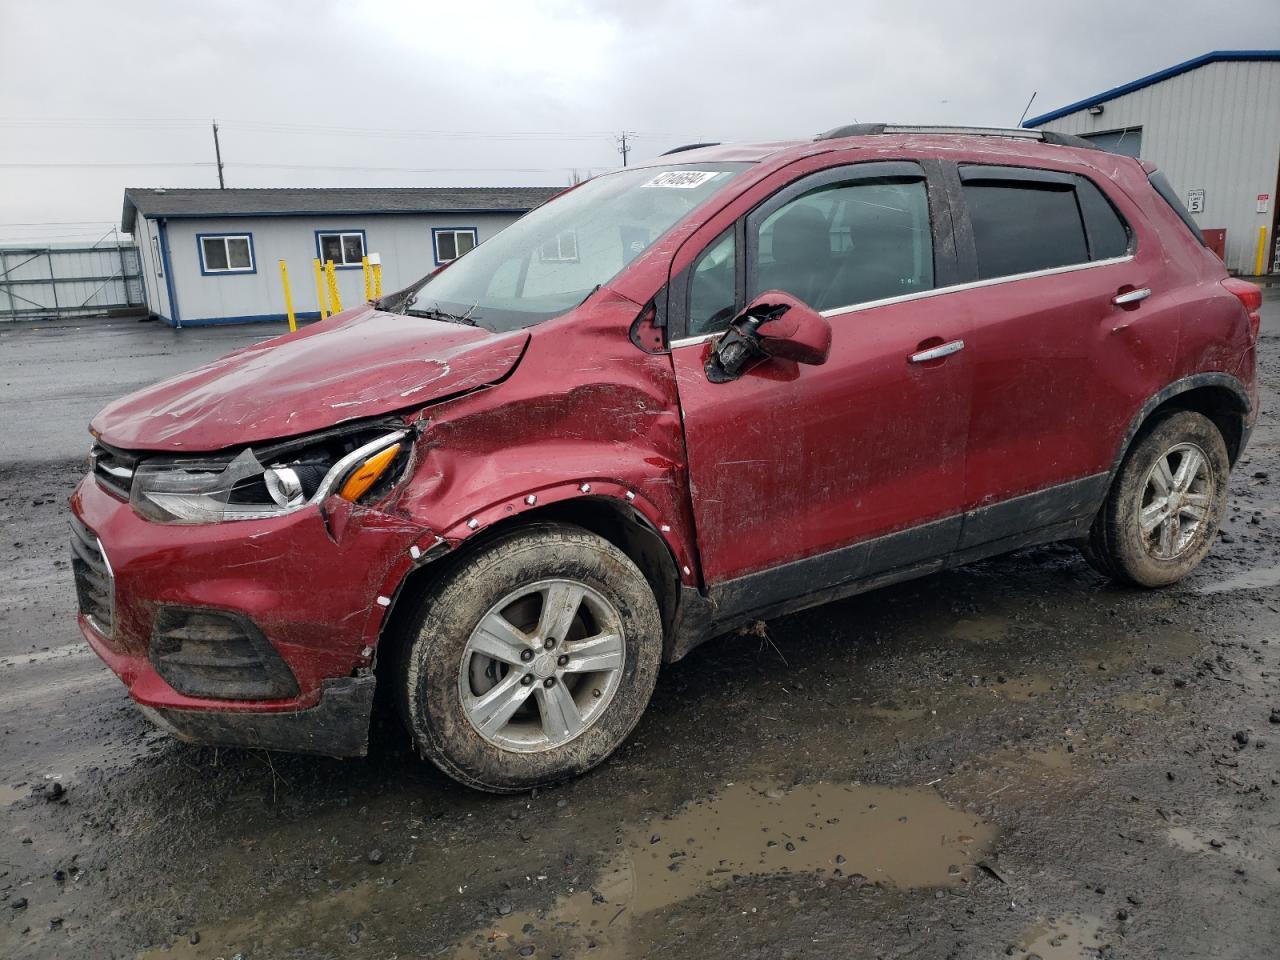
[1016, 133]
[690, 146]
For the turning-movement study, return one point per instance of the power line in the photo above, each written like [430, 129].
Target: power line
[41, 164]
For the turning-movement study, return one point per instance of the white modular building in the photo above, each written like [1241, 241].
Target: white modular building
[212, 256]
[1212, 125]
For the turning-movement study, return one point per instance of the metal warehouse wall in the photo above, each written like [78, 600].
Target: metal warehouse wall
[1215, 128]
[68, 281]
[403, 241]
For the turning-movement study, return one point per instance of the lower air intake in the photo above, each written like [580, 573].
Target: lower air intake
[218, 655]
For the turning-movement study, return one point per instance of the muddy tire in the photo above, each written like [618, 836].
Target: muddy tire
[531, 662]
[1165, 504]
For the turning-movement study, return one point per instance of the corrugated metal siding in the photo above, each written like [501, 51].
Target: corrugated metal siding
[68, 282]
[403, 241]
[1216, 128]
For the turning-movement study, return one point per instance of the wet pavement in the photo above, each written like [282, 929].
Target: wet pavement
[1013, 759]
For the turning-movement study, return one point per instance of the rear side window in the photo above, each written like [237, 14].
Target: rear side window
[1024, 226]
[1026, 220]
[1166, 191]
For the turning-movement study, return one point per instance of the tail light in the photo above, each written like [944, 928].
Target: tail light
[1250, 296]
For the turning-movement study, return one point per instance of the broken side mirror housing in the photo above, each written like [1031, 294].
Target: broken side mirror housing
[774, 324]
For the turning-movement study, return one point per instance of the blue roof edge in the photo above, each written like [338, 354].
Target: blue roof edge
[1214, 56]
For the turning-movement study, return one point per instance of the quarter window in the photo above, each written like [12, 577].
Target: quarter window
[848, 243]
[226, 253]
[453, 243]
[344, 249]
[1108, 234]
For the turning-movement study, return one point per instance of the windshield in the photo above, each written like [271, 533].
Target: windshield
[551, 260]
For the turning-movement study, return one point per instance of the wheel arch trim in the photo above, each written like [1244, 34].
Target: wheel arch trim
[1232, 385]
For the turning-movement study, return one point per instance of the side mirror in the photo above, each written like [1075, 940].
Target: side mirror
[774, 324]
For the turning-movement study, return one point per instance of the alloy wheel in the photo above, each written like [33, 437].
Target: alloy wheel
[1176, 501]
[542, 665]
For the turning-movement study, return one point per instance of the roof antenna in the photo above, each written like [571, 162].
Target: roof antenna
[1026, 108]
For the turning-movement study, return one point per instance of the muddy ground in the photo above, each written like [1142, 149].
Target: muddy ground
[1016, 758]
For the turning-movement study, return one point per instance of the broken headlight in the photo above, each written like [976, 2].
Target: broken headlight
[272, 481]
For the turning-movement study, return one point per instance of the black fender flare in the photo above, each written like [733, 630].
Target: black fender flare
[1231, 384]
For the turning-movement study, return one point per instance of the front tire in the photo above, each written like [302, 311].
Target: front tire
[1165, 504]
[531, 662]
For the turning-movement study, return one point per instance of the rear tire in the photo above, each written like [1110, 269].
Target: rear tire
[1165, 503]
[532, 661]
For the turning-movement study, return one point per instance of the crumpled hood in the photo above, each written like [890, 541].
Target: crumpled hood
[361, 363]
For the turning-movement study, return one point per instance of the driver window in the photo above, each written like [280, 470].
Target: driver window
[713, 287]
[847, 243]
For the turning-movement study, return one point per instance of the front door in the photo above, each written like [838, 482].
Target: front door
[824, 474]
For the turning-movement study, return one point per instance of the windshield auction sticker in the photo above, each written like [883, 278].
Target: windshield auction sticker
[682, 179]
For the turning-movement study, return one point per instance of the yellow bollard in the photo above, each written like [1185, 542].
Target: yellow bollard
[368, 280]
[1261, 258]
[320, 288]
[375, 262]
[335, 298]
[288, 297]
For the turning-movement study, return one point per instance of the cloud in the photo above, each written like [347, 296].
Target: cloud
[563, 75]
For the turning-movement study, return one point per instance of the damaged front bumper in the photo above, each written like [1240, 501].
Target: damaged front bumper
[256, 633]
[337, 726]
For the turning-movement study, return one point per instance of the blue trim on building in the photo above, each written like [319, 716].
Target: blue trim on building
[166, 264]
[253, 255]
[251, 318]
[435, 243]
[470, 211]
[364, 242]
[1215, 56]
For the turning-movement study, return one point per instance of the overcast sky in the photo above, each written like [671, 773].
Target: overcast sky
[96, 96]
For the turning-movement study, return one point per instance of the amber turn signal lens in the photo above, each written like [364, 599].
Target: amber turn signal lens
[367, 473]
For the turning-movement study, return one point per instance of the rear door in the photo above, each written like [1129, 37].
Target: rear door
[1059, 366]
[822, 474]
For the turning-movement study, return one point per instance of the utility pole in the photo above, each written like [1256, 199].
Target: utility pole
[623, 147]
[218, 152]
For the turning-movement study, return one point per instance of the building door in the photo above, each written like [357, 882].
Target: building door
[1126, 142]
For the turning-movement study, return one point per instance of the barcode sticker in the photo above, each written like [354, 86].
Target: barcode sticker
[682, 179]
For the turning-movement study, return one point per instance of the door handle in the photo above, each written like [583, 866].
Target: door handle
[938, 352]
[1131, 296]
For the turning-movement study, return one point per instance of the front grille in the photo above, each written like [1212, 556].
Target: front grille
[95, 584]
[113, 468]
[218, 654]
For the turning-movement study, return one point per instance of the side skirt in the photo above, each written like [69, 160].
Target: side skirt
[1062, 512]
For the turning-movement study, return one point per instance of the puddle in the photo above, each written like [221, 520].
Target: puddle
[983, 629]
[895, 714]
[1139, 701]
[11, 795]
[1248, 580]
[902, 837]
[1063, 938]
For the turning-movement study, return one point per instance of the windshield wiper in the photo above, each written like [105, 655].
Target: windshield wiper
[435, 313]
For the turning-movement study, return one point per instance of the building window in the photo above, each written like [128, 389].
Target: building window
[155, 251]
[345, 248]
[226, 253]
[562, 248]
[452, 243]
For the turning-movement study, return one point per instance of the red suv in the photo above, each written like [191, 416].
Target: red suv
[730, 383]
